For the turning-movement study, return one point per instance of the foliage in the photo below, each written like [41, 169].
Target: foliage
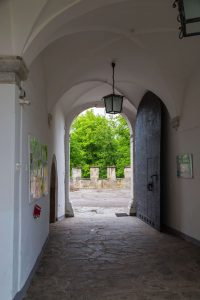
[99, 141]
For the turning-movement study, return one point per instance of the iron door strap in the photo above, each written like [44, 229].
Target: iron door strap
[150, 186]
[154, 175]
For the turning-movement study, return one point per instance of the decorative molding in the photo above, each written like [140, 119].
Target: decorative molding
[175, 122]
[12, 69]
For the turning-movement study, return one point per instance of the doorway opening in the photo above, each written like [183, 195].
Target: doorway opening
[101, 164]
[53, 191]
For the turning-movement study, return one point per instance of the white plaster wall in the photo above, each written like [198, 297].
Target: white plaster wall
[22, 237]
[6, 46]
[183, 203]
[26, 234]
[57, 134]
[7, 174]
[17, 190]
[33, 232]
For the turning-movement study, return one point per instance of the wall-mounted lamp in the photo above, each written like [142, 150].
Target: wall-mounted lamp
[113, 103]
[189, 17]
[22, 93]
[22, 97]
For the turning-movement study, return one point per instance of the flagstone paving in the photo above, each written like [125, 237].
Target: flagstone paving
[104, 257]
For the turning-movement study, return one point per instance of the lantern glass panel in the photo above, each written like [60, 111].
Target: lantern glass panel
[191, 9]
[192, 27]
[117, 103]
[108, 103]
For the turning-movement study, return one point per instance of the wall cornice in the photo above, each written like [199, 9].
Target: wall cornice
[12, 69]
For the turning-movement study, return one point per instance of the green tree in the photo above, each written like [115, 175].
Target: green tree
[122, 136]
[99, 141]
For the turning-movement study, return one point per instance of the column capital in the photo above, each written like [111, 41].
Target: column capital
[12, 69]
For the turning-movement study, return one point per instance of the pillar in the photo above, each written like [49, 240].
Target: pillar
[127, 173]
[12, 72]
[94, 173]
[111, 173]
[76, 173]
[68, 206]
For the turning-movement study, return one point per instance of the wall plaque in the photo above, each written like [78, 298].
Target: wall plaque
[184, 166]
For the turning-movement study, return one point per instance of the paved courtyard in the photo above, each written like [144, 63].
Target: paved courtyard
[100, 201]
[98, 256]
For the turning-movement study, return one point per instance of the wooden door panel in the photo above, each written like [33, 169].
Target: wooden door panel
[147, 160]
[153, 201]
[53, 194]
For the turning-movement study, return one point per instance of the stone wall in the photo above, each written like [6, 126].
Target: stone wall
[94, 182]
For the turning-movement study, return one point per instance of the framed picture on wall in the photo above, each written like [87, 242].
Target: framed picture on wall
[38, 169]
[184, 166]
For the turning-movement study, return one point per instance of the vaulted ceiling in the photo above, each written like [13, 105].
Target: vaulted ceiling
[76, 40]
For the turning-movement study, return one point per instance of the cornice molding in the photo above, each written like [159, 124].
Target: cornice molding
[12, 69]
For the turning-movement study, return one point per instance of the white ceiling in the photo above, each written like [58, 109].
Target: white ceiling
[77, 40]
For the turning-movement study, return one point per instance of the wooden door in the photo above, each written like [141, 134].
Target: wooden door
[53, 193]
[148, 160]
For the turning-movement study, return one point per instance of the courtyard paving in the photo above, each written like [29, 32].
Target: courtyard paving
[103, 201]
[98, 256]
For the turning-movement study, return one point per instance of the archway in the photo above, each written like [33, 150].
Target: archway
[53, 192]
[89, 98]
[107, 183]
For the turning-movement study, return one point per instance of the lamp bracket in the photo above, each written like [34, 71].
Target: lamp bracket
[113, 67]
[24, 101]
[175, 4]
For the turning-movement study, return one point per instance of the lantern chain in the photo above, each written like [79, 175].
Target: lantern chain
[113, 67]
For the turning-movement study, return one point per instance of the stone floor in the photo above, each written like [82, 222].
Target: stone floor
[98, 256]
[102, 201]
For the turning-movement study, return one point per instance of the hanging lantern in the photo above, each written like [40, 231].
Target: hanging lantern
[113, 103]
[189, 17]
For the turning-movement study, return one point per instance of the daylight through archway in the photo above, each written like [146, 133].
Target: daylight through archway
[101, 167]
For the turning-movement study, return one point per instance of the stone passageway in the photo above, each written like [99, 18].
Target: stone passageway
[104, 257]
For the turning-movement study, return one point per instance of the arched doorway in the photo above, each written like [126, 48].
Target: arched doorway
[150, 156]
[103, 185]
[53, 191]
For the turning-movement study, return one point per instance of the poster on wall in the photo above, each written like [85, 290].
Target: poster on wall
[38, 168]
[184, 166]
